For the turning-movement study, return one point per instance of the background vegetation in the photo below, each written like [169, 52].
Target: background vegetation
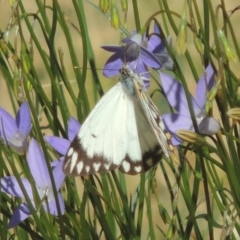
[50, 57]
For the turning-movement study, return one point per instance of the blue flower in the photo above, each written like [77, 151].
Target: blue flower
[134, 53]
[40, 174]
[177, 99]
[13, 132]
[140, 52]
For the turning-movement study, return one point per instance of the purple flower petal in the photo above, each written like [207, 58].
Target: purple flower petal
[209, 126]
[142, 71]
[37, 165]
[10, 185]
[8, 125]
[156, 29]
[61, 145]
[204, 84]
[58, 174]
[73, 128]
[112, 66]
[155, 44]
[175, 122]
[113, 48]
[23, 119]
[166, 60]
[20, 214]
[52, 206]
[150, 59]
[176, 96]
[140, 68]
[54, 163]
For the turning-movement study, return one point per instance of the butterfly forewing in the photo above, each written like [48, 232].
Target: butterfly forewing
[92, 149]
[124, 130]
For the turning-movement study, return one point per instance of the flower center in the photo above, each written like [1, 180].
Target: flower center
[17, 139]
[18, 142]
[46, 192]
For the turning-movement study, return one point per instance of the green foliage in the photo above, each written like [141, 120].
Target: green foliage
[47, 58]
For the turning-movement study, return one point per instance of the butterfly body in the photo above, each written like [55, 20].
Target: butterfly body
[123, 131]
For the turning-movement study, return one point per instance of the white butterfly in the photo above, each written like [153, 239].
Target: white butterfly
[123, 131]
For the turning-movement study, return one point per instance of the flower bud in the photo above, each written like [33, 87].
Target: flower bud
[124, 4]
[211, 95]
[190, 137]
[6, 35]
[198, 175]
[164, 214]
[228, 49]
[213, 92]
[18, 86]
[25, 62]
[4, 48]
[182, 35]
[104, 5]
[13, 3]
[208, 106]
[199, 45]
[172, 229]
[234, 113]
[115, 20]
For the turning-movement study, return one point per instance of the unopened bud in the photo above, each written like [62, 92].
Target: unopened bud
[199, 45]
[182, 35]
[115, 20]
[4, 48]
[18, 86]
[234, 113]
[228, 49]
[164, 214]
[25, 63]
[6, 35]
[15, 59]
[211, 95]
[13, 3]
[172, 229]
[191, 137]
[213, 92]
[104, 5]
[124, 4]
[208, 106]
[198, 175]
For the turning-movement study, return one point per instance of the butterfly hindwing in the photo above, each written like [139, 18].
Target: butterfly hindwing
[150, 149]
[157, 124]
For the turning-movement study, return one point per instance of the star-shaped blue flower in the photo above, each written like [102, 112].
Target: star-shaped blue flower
[14, 132]
[134, 53]
[177, 98]
[38, 167]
